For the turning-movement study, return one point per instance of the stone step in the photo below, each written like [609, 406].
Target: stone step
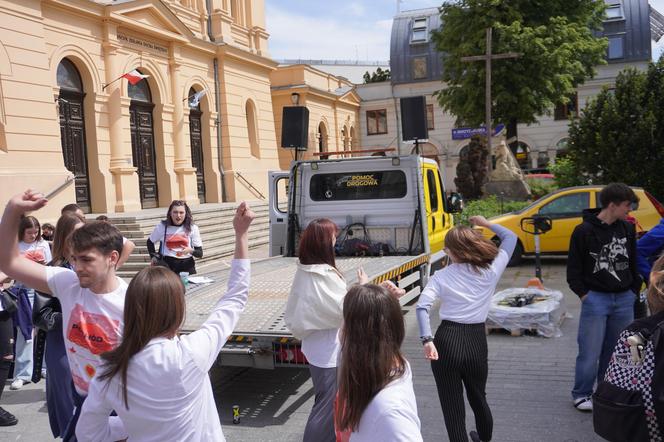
[209, 231]
[210, 241]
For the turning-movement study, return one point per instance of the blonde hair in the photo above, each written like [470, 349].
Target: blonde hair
[468, 246]
[656, 287]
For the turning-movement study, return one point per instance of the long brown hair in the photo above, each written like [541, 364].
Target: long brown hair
[63, 229]
[371, 355]
[469, 247]
[656, 287]
[28, 222]
[154, 307]
[316, 246]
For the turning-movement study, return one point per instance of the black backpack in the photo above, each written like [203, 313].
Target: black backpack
[624, 402]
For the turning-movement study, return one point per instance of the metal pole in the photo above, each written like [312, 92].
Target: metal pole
[487, 98]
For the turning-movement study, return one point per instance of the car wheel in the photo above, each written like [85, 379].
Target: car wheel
[517, 255]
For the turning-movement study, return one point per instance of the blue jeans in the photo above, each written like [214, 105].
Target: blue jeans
[603, 317]
[23, 356]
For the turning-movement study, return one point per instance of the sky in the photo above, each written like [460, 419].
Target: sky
[345, 29]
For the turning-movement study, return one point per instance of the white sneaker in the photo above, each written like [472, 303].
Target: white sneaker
[584, 404]
[17, 384]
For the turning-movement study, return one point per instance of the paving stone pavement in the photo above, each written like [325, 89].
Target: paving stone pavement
[529, 385]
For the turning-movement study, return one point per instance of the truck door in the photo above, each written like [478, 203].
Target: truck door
[434, 207]
[448, 221]
[278, 204]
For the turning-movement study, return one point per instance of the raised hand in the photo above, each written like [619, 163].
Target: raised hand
[393, 289]
[28, 201]
[243, 218]
[362, 277]
[479, 221]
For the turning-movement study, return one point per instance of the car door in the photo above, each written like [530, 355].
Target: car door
[434, 208]
[565, 211]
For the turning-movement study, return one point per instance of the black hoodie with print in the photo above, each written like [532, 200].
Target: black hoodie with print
[602, 257]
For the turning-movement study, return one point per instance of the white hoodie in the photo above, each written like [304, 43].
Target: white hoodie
[314, 311]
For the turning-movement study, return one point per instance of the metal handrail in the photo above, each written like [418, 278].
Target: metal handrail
[251, 186]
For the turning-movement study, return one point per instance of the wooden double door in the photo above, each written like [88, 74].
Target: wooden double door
[74, 149]
[143, 152]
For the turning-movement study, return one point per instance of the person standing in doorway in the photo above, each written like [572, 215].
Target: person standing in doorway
[602, 271]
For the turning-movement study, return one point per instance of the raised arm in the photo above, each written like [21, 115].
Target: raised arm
[127, 248]
[205, 344]
[649, 245]
[11, 262]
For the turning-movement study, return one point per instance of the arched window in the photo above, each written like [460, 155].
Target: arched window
[561, 147]
[252, 129]
[140, 91]
[68, 77]
[322, 140]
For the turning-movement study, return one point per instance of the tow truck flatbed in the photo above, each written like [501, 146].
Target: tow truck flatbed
[271, 281]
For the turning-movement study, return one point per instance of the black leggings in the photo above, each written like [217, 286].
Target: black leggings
[6, 347]
[462, 362]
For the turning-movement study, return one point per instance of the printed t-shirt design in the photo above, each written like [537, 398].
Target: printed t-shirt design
[177, 239]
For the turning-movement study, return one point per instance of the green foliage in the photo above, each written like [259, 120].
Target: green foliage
[487, 207]
[378, 76]
[557, 48]
[620, 134]
[540, 187]
[566, 174]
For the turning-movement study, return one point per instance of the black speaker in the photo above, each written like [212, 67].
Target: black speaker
[414, 118]
[295, 127]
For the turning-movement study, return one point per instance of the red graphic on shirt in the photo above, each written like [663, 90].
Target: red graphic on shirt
[36, 255]
[90, 370]
[177, 242]
[93, 331]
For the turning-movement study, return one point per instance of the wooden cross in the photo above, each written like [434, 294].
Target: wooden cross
[487, 57]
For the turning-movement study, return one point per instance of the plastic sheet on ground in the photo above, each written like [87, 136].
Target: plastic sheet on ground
[545, 314]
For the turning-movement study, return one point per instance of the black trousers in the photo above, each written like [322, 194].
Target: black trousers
[462, 363]
[181, 265]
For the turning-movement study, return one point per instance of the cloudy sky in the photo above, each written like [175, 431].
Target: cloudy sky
[345, 29]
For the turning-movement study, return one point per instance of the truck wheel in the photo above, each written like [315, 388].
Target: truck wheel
[517, 255]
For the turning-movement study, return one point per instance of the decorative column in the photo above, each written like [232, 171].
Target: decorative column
[127, 195]
[186, 174]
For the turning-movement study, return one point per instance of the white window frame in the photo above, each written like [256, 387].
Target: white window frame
[418, 27]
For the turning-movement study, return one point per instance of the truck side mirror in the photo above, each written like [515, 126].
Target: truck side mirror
[455, 203]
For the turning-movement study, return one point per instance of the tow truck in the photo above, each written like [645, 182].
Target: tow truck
[393, 214]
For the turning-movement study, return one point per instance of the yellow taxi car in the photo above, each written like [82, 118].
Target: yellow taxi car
[564, 207]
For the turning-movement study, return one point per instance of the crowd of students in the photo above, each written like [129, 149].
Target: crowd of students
[119, 345]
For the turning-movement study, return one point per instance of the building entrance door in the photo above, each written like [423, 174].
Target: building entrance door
[142, 142]
[196, 141]
[72, 130]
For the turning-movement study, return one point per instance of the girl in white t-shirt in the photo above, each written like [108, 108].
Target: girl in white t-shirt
[179, 237]
[156, 380]
[376, 400]
[32, 246]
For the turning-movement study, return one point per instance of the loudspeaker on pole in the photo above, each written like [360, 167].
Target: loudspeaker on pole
[414, 118]
[295, 127]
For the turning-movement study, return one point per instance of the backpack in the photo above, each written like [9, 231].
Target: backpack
[624, 402]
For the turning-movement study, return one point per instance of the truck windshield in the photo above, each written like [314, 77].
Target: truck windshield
[358, 186]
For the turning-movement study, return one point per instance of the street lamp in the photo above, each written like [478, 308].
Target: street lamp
[295, 98]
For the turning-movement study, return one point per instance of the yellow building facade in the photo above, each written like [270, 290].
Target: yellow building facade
[64, 106]
[333, 110]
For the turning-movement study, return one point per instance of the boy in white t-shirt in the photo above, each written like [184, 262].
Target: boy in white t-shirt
[92, 297]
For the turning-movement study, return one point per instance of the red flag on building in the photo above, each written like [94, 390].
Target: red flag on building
[134, 77]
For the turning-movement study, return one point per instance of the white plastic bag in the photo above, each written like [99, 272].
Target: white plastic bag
[545, 314]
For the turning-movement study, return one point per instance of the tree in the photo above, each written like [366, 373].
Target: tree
[620, 134]
[557, 48]
[471, 171]
[379, 75]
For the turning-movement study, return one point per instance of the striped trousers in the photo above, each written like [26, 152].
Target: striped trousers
[462, 362]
